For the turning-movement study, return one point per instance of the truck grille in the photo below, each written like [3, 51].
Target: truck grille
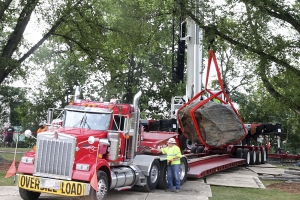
[54, 156]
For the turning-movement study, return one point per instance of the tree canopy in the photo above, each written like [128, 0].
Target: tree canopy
[266, 33]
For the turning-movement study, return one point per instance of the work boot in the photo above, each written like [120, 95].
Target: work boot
[176, 191]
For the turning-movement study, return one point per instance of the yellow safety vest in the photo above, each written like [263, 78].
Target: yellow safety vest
[172, 153]
[216, 100]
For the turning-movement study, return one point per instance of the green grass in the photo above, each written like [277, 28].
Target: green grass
[233, 193]
[13, 149]
[10, 156]
[6, 181]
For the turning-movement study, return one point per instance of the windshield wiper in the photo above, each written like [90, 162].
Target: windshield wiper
[79, 122]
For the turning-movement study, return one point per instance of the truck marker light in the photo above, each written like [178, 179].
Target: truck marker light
[110, 106]
[100, 155]
[127, 136]
[34, 148]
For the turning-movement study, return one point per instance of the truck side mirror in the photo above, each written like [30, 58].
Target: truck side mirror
[28, 133]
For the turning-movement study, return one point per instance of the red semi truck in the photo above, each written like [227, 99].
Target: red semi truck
[105, 137]
[110, 139]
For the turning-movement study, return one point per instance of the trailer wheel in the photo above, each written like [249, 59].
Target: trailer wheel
[163, 180]
[239, 153]
[183, 170]
[102, 185]
[28, 195]
[193, 149]
[252, 157]
[246, 156]
[152, 179]
[258, 158]
[199, 149]
[264, 156]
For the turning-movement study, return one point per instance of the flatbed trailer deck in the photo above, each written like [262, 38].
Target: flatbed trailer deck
[203, 166]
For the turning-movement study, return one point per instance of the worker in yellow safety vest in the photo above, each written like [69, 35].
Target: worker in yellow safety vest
[173, 160]
[216, 100]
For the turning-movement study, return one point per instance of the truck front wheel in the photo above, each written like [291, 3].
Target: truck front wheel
[103, 188]
[29, 195]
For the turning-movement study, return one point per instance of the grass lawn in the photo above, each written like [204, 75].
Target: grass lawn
[6, 181]
[9, 157]
[13, 149]
[232, 193]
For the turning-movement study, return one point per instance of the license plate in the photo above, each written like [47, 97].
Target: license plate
[51, 186]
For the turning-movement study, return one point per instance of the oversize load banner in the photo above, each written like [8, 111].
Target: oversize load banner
[66, 188]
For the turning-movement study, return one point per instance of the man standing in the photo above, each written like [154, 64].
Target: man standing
[9, 135]
[173, 158]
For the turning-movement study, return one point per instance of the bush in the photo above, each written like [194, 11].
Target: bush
[27, 143]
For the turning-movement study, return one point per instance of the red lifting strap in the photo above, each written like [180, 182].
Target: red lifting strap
[211, 56]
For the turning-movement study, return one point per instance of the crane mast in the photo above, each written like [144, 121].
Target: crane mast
[194, 43]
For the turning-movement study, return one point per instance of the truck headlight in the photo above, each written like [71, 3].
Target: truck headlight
[83, 167]
[27, 160]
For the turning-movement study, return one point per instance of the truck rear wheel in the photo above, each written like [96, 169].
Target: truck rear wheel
[163, 177]
[152, 179]
[103, 188]
[183, 170]
[29, 195]
[163, 180]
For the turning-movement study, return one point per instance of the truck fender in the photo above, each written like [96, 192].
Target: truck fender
[144, 162]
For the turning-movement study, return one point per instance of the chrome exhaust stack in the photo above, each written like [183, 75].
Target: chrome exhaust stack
[135, 124]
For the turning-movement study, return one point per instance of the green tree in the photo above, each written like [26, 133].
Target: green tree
[265, 33]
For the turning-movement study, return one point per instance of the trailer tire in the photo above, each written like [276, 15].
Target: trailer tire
[246, 156]
[28, 195]
[163, 181]
[193, 149]
[252, 157]
[199, 149]
[102, 185]
[239, 153]
[152, 179]
[263, 156]
[258, 158]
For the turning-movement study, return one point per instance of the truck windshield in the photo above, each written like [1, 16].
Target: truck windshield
[94, 121]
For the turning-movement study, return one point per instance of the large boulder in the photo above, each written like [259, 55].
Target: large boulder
[219, 124]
